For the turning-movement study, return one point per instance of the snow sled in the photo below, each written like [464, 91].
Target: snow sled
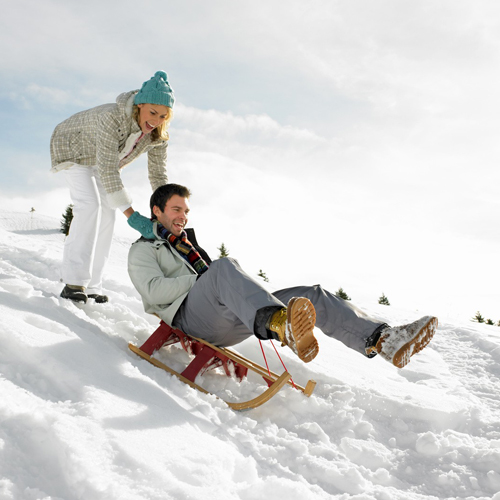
[207, 357]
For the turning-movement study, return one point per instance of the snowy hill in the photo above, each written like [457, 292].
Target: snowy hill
[81, 417]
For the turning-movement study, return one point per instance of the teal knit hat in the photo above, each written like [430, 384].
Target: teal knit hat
[156, 91]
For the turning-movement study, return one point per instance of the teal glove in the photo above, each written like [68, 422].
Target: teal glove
[142, 224]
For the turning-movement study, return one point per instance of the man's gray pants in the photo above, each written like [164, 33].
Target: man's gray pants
[222, 305]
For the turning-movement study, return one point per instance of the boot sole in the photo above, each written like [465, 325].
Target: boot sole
[73, 299]
[79, 297]
[423, 336]
[301, 318]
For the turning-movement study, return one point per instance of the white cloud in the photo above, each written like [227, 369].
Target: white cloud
[257, 128]
[38, 95]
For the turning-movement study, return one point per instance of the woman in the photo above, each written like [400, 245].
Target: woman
[92, 147]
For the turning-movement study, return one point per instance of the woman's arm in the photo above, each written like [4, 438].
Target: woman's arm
[108, 162]
[157, 166]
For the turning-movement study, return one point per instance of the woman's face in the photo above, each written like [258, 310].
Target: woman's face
[151, 116]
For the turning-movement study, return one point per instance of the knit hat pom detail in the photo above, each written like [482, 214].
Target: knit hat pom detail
[156, 90]
[162, 75]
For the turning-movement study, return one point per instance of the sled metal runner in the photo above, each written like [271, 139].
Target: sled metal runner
[207, 357]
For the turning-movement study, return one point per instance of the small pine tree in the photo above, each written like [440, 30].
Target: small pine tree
[489, 322]
[342, 295]
[263, 275]
[66, 220]
[478, 318]
[224, 252]
[384, 300]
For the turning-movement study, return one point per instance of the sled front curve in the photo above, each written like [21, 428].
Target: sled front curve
[267, 375]
[245, 405]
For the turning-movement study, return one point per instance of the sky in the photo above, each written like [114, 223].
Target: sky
[356, 137]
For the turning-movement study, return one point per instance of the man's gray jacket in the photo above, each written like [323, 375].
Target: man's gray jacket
[161, 276]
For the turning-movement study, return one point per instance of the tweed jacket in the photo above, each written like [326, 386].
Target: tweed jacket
[161, 276]
[97, 136]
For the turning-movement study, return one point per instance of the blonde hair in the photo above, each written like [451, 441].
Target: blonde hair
[159, 132]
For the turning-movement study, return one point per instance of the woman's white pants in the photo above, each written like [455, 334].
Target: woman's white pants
[87, 247]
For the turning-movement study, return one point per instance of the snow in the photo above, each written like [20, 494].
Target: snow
[82, 417]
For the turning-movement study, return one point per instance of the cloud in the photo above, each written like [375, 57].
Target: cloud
[34, 95]
[226, 124]
[256, 140]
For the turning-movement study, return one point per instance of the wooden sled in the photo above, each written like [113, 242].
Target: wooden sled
[208, 357]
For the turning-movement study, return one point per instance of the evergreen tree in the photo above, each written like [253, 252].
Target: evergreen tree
[263, 275]
[66, 220]
[342, 295]
[478, 318]
[384, 300]
[489, 322]
[224, 252]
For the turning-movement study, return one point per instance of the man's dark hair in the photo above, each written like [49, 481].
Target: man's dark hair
[162, 194]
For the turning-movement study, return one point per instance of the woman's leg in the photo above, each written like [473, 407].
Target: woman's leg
[103, 241]
[79, 246]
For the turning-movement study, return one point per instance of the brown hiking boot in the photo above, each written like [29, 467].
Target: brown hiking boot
[397, 344]
[294, 326]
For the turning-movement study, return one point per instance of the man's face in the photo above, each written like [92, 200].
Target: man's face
[175, 216]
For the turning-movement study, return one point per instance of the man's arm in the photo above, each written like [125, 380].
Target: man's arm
[149, 279]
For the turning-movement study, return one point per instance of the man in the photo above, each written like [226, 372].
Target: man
[217, 301]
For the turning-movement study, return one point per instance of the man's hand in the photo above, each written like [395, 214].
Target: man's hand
[142, 224]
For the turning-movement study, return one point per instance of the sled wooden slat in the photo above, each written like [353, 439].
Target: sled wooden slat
[155, 341]
[163, 366]
[245, 405]
[255, 367]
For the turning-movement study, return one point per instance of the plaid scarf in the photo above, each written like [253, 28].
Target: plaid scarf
[185, 248]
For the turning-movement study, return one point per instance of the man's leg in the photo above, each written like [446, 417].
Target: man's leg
[222, 305]
[335, 317]
[341, 320]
